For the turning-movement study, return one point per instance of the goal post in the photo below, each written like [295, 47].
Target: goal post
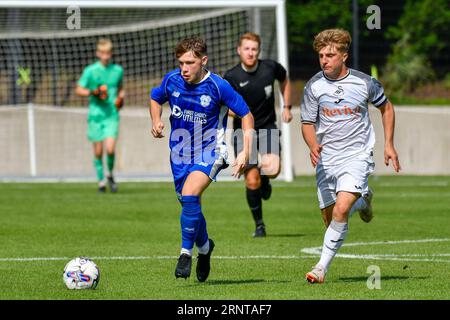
[40, 44]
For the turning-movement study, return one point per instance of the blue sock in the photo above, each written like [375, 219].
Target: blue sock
[202, 234]
[191, 221]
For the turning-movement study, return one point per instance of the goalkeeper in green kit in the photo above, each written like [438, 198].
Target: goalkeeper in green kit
[102, 83]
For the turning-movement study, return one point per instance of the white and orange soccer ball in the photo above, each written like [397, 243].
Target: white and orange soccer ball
[81, 273]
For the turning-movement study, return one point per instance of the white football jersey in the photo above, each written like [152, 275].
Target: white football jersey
[339, 110]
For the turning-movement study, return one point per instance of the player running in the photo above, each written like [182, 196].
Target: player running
[199, 102]
[102, 82]
[254, 79]
[337, 129]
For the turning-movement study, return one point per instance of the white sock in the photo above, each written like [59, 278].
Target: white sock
[359, 204]
[204, 249]
[186, 251]
[333, 240]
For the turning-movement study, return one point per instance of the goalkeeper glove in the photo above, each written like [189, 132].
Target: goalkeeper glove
[101, 92]
[119, 103]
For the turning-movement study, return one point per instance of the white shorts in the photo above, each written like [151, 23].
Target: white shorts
[350, 176]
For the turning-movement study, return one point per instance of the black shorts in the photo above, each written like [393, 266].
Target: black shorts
[266, 140]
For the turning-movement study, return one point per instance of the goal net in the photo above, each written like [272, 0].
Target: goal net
[43, 122]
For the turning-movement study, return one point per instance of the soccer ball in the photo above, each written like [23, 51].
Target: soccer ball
[81, 273]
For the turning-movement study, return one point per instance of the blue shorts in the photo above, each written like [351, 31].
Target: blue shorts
[180, 172]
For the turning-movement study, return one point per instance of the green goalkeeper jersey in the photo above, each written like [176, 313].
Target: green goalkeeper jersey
[95, 75]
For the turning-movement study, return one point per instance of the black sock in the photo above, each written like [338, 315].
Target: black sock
[254, 201]
[264, 180]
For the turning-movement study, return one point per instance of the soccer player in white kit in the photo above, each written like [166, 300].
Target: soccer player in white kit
[337, 129]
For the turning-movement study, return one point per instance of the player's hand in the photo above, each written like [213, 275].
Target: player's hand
[390, 153]
[101, 92]
[119, 103]
[239, 164]
[286, 115]
[314, 154]
[157, 129]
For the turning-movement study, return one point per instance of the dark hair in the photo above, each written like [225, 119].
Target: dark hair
[195, 44]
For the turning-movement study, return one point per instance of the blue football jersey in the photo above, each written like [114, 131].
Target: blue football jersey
[198, 115]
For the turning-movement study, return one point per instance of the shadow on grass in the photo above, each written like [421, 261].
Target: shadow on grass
[243, 281]
[364, 279]
[286, 235]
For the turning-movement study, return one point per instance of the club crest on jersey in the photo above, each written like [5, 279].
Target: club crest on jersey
[205, 100]
[268, 90]
[339, 92]
[176, 112]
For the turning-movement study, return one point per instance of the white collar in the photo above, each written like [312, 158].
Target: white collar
[252, 69]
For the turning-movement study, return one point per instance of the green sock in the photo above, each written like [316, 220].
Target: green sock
[98, 164]
[110, 161]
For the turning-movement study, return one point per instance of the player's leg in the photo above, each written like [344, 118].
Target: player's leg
[111, 134]
[95, 134]
[254, 199]
[334, 235]
[327, 215]
[364, 206]
[193, 224]
[110, 146]
[252, 179]
[270, 169]
[270, 147]
[98, 165]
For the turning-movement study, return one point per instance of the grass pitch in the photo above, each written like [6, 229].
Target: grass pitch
[134, 238]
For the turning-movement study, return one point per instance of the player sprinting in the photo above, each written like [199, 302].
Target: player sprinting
[199, 102]
[102, 82]
[337, 129]
[254, 79]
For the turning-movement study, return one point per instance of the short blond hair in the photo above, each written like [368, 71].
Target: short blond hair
[250, 36]
[338, 38]
[103, 42]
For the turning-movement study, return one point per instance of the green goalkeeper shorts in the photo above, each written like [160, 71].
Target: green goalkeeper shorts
[100, 129]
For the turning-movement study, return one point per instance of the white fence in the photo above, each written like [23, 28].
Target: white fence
[53, 145]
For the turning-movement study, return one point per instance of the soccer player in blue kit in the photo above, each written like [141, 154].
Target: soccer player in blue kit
[199, 102]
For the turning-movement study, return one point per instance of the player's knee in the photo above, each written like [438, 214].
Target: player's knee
[340, 212]
[190, 204]
[271, 169]
[253, 182]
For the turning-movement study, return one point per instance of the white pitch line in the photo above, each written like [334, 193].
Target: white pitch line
[316, 251]
[313, 253]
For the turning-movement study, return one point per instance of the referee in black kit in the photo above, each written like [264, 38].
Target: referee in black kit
[254, 80]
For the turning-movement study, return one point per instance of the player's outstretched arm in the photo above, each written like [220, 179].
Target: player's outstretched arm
[388, 118]
[285, 88]
[120, 98]
[155, 115]
[309, 135]
[248, 127]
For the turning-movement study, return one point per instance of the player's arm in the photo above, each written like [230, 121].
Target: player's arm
[120, 98]
[82, 92]
[388, 118]
[243, 157]
[285, 88]
[158, 97]
[309, 110]
[155, 115]
[120, 93]
[237, 105]
[310, 137]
